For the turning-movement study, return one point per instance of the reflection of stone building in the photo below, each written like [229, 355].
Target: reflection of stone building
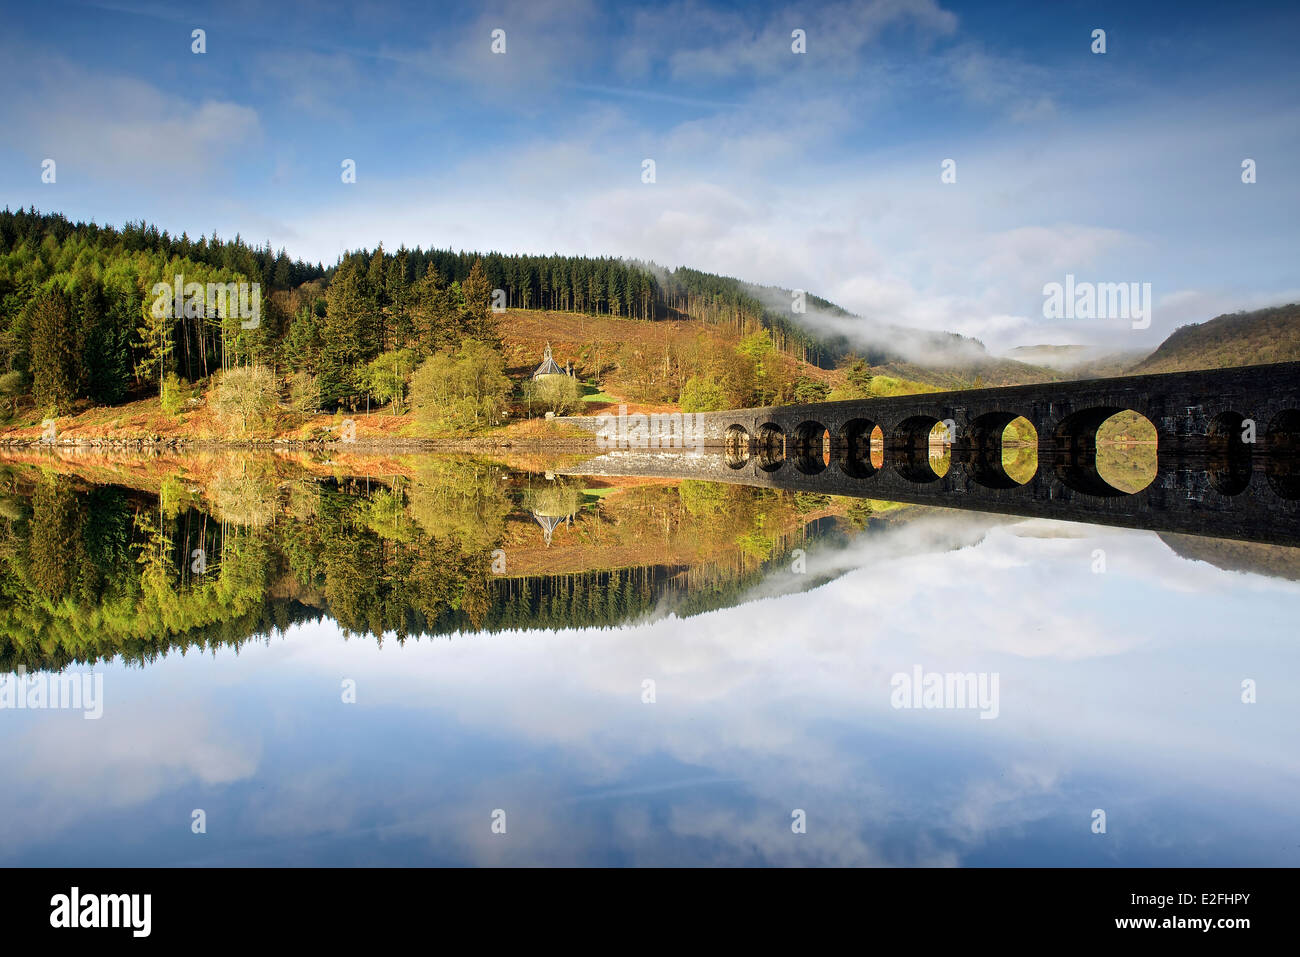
[549, 524]
[552, 506]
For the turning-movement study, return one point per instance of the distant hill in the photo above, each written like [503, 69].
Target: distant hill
[1275, 561]
[1077, 362]
[1236, 339]
[1057, 357]
[976, 373]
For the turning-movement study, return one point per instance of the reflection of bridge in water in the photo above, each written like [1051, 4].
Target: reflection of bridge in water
[1210, 478]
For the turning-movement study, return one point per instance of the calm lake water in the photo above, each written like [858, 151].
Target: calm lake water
[431, 661]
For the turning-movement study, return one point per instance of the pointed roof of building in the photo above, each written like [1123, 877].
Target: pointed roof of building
[549, 524]
[548, 366]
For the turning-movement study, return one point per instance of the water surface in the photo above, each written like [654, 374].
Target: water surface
[633, 671]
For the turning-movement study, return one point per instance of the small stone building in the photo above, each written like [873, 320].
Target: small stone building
[548, 367]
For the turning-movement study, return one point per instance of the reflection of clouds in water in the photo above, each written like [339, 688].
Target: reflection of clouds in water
[779, 703]
[136, 752]
[744, 691]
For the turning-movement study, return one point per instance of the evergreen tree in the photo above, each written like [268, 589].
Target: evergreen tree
[55, 365]
[303, 345]
[477, 319]
[341, 337]
[433, 313]
[155, 342]
[399, 296]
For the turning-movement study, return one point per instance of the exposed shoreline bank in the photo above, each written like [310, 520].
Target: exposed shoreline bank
[360, 444]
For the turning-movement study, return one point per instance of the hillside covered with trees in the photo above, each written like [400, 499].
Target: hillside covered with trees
[1235, 339]
[444, 339]
[82, 324]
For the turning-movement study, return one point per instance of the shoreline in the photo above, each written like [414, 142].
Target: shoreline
[470, 444]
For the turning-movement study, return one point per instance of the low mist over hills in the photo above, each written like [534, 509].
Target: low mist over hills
[1235, 339]
[1079, 362]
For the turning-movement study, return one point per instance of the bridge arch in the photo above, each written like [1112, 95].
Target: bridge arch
[909, 448]
[771, 446]
[981, 447]
[1074, 459]
[1284, 454]
[811, 447]
[736, 441]
[854, 447]
[1229, 455]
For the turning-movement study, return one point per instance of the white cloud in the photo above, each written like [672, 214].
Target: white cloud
[121, 129]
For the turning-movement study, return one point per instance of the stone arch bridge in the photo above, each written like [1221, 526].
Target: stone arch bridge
[1228, 443]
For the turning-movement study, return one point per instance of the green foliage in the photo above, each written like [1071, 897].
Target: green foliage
[703, 498]
[805, 502]
[858, 380]
[302, 346]
[460, 391]
[478, 320]
[810, 390]
[1234, 339]
[560, 394]
[703, 395]
[12, 385]
[94, 575]
[245, 399]
[154, 345]
[459, 499]
[386, 375]
[176, 393]
[765, 373]
[755, 544]
[77, 312]
[386, 517]
[75, 305]
[432, 312]
[757, 346]
[349, 313]
[54, 356]
[859, 513]
[553, 499]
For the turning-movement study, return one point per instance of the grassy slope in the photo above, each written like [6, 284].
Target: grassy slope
[1078, 362]
[1233, 339]
[590, 341]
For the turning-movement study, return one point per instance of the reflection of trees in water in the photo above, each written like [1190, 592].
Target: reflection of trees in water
[88, 574]
[462, 499]
[1020, 462]
[112, 582]
[553, 499]
[1126, 451]
[304, 501]
[552, 505]
[243, 494]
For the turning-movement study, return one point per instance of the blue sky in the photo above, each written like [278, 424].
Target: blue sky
[818, 171]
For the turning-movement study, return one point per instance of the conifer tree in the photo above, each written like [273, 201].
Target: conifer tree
[478, 320]
[155, 341]
[342, 351]
[55, 366]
